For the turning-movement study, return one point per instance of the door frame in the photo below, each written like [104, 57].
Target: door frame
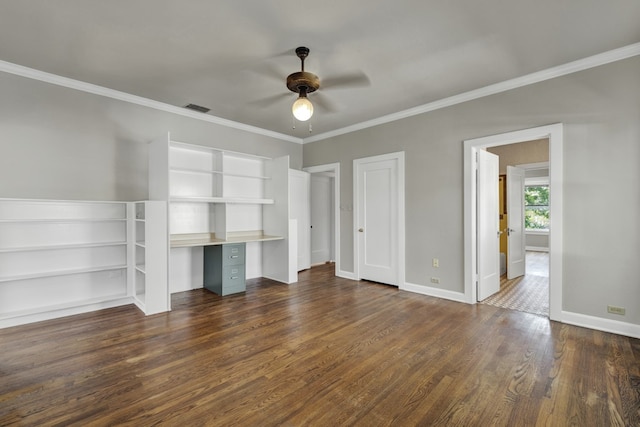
[335, 169]
[400, 260]
[554, 133]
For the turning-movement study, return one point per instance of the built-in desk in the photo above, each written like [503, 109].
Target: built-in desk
[224, 259]
[208, 239]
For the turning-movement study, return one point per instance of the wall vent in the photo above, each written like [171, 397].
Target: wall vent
[197, 108]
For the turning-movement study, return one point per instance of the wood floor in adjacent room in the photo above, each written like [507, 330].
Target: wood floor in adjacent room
[326, 352]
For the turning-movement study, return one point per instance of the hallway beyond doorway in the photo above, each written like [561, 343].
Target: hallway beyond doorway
[528, 293]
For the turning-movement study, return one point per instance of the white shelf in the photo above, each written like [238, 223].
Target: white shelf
[190, 170]
[56, 211]
[237, 175]
[216, 172]
[234, 200]
[66, 246]
[62, 220]
[64, 306]
[202, 148]
[54, 273]
[141, 268]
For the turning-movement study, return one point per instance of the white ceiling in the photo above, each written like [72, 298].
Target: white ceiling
[233, 56]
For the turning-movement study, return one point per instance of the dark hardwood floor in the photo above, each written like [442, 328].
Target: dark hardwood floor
[325, 351]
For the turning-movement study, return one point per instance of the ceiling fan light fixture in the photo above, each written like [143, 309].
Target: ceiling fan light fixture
[302, 83]
[302, 108]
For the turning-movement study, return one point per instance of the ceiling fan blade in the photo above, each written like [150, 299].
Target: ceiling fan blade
[286, 53]
[270, 71]
[356, 79]
[270, 100]
[323, 102]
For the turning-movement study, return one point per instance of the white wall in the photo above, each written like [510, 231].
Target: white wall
[600, 110]
[536, 241]
[61, 143]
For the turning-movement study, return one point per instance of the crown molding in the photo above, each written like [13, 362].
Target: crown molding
[540, 76]
[55, 79]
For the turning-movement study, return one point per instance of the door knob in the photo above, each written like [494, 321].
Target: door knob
[361, 230]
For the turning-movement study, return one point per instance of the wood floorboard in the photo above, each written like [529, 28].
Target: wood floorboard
[324, 351]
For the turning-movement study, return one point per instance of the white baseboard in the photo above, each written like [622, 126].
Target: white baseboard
[600, 324]
[63, 312]
[278, 280]
[435, 292]
[536, 248]
[346, 274]
[182, 287]
[576, 319]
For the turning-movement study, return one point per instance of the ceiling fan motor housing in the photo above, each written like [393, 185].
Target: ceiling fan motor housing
[303, 79]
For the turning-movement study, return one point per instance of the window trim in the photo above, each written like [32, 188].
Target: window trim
[537, 231]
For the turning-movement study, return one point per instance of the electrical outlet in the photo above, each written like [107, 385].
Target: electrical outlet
[435, 280]
[436, 262]
[616, 310]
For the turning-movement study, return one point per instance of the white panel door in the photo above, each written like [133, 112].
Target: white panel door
[321, 211]
[515, 223]
[488, 218]
[377, 220]
[299, 188]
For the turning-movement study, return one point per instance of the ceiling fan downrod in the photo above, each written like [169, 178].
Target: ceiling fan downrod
[302, 53]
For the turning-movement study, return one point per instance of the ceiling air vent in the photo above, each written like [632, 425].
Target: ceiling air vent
[197, 108]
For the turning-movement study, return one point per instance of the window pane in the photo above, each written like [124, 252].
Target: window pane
[536, 218]
[536, 195]
[536, 207]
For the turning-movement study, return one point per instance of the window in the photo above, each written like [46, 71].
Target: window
[536, 207]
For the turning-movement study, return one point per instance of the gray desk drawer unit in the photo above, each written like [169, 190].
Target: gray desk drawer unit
[224, 268]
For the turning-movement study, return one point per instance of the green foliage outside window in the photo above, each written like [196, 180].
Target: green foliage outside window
[536, 207]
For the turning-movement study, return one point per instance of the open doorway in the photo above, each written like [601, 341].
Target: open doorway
[554, 133]
[524, 287]
[322, 221]
[325, 218]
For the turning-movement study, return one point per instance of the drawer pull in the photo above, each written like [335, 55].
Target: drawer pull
[233, 277]
[233, 256]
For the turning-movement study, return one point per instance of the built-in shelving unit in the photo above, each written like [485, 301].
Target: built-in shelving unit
[204, 174]
[61, 257]
[217, 197]
[149, 285]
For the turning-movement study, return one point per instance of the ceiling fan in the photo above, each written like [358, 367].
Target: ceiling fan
[304, 83]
